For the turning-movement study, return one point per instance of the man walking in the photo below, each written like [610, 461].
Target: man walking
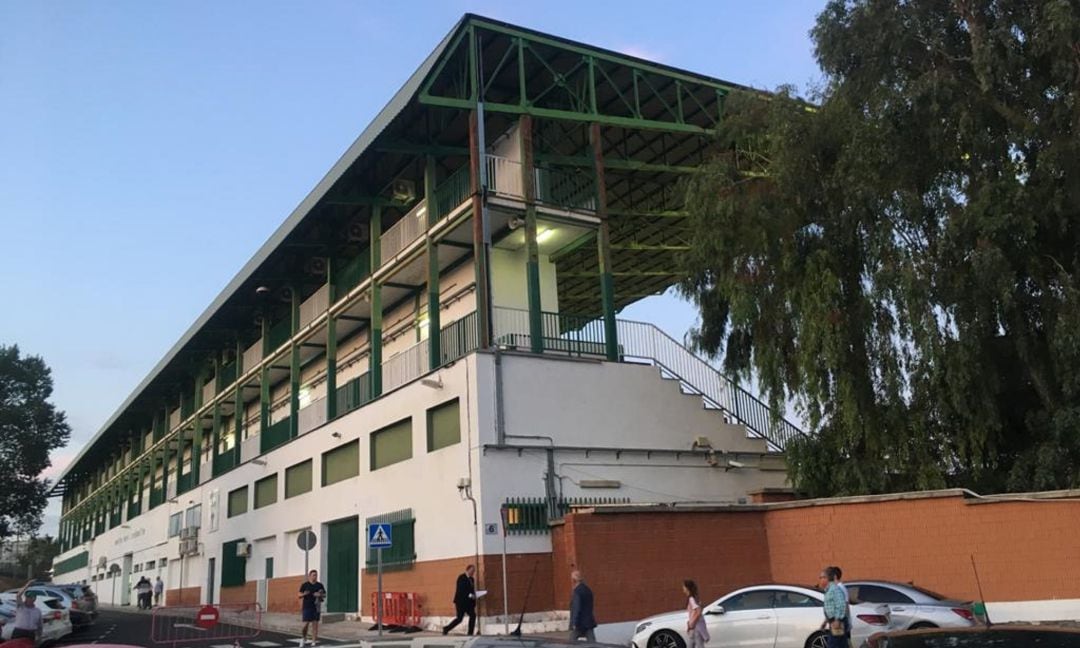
[311, 596]
[159, 588]
[836, 609]
[27, 622]
[582, 620]
[464, 600]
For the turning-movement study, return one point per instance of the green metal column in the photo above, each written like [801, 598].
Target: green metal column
[375, 331]
[480, 256]
[532, 264]
[294, 364]
[197, 437]
[432, 249]
[607, 282]
[331, 341]
[264, 380]
[239, 411]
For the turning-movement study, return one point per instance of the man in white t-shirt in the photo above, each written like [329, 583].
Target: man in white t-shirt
[27, 623]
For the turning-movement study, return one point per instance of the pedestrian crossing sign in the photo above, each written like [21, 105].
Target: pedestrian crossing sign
[379, 536]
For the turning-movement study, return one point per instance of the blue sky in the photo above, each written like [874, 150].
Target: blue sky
[149, 148]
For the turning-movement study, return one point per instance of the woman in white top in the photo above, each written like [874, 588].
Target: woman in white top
[695, 623]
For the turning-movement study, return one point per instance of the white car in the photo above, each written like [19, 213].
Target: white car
[913, 607]
[55, 619]
[762, 616]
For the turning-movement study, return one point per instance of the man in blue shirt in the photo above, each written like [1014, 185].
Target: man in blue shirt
[311, 597]
[836, 609]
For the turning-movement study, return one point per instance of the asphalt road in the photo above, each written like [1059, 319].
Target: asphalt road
[134, 629]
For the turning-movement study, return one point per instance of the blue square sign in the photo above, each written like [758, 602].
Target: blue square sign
[379, 536]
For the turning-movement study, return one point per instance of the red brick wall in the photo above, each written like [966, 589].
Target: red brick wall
[635, 563]
[245, 593]
[1023, 550]
[185, 596]
[282, 594]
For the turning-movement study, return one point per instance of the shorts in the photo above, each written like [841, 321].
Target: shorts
[19, 633]
[308, 615]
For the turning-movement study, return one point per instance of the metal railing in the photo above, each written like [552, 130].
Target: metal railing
[533, 515]
[310, 417]
[222, 623]
[402, 233]
[566, 188]
[584, 336]
[453, 191]
[406, 366]
[253, 354]
[314, 305]
[504, 176]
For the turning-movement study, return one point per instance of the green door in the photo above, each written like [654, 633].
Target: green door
[343, 566]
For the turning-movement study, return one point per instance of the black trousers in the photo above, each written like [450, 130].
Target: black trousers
[461, 611]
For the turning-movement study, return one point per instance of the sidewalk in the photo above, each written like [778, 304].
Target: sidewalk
[342, 630]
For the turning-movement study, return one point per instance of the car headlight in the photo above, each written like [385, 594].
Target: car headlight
[642, 627]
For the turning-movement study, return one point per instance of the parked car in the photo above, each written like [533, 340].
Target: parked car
[913, 607]
[86, 598]
[79, 618]
[762, 616]
[55, 619]
[1012, 636]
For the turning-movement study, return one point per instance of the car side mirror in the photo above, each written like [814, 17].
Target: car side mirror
[719, 609]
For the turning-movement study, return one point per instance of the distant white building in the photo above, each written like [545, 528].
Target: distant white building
[430, 340]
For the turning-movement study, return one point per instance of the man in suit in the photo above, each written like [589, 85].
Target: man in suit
[582, 620]
[464, 600]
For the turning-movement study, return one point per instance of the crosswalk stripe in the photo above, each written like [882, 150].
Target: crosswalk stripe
[222, 646]
[265, 644]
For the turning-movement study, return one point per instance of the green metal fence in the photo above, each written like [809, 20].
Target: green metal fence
[533, 515]
[452, 191]
[224, 462]
[274, 435]
[353, 394]
[402, 530]
[568, 188]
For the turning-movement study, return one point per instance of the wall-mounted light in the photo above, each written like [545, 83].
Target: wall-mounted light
[259, 462]
[434, 383]
[336, 435]
[544, 235]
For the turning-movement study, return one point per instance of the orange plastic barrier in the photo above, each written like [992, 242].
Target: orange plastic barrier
[399, 608]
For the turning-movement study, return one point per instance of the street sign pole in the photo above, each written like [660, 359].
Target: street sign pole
[378, 563]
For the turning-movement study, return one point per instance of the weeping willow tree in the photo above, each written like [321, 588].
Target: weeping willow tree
[898, 256]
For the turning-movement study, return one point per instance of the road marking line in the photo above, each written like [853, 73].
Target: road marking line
[265, 644]
[223, 646]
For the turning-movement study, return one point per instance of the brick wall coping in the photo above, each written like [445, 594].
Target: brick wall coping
[969, 496]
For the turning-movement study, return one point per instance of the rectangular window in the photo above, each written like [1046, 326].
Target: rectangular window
[341, 463]
[149, 565]
[298, 479]
[269, 568]
[175, 520]
[194, 516]
[266, 491]
[391, 444]
[443, 425]
[238, 501]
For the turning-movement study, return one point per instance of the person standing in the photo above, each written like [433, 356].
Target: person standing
[836, 610]
[142, 593]
[311, 597]
[582, 620]
[464, 600]
[159, 588]
[847, 599]
[28, 622]
[695, 622]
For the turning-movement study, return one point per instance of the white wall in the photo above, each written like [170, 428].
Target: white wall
[509, 288]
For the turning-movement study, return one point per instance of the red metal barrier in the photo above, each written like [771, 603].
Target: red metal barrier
[176, 624]
[399, 608]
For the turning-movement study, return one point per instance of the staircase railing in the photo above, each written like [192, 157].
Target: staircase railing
[649, 342]
[578, 335]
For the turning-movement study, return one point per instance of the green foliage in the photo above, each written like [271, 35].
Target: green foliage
[30, 428]
[900, 260]
[37, 561]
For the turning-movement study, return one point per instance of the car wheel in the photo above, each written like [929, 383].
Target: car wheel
[666, 639]
[920, 626]
[817, 640]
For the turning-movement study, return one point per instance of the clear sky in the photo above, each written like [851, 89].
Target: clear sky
[147, 149]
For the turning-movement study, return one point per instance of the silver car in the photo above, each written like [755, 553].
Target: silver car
[913, 607]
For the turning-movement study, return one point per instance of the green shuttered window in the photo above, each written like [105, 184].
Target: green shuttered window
[266, 491]
[443, 425]
[238, 501]
[402, 554]
[298, 479]
[233, 567]
[341, 463]
[391, 444]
